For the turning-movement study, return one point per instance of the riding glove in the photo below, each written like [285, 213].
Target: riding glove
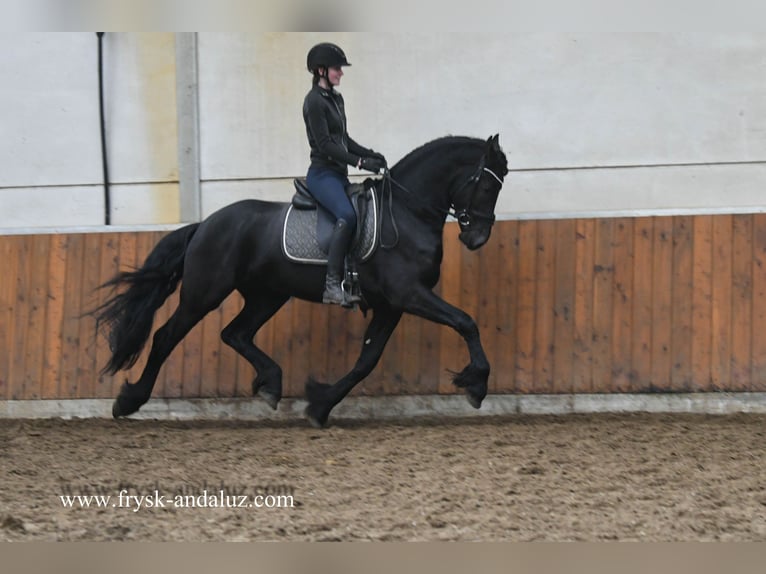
[372, 164]
[379, 156]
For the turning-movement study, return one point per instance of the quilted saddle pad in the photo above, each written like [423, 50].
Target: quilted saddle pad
[299, 234]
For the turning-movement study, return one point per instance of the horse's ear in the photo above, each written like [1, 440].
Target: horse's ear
[493, 143]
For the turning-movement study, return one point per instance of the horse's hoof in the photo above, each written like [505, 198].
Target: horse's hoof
[316, 419]
[121, 409]
[271, 399]
[268, 386]
[474, 401]
[315, 423]
[126, 404]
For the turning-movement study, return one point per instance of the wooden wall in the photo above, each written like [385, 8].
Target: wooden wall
[650, 304]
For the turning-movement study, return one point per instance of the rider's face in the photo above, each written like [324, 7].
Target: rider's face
[334, 74]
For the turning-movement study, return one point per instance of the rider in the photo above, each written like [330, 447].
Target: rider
[332, 151]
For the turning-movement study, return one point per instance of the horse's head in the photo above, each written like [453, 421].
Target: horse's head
[475, 201]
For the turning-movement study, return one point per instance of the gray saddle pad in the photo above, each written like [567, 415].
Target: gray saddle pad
[299, 235]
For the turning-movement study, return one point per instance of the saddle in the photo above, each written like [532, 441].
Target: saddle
[308, 226]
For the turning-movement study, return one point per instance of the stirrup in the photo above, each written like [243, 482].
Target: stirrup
[349, 297]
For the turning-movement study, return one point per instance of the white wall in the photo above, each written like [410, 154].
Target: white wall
[50, 152]
[607, 103]
[592, 124]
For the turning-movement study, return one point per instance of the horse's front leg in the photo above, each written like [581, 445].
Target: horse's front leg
[322, 397]
[473, 378]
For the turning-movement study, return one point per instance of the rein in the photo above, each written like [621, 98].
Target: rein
[464, 216]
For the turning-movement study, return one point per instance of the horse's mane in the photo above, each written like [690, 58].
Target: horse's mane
[438, 147]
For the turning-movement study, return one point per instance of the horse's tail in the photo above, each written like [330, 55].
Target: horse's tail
[128, 316]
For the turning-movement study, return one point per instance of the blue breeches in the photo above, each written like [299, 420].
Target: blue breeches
[329, 188]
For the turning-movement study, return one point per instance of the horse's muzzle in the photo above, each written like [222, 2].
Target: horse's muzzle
[475, 238]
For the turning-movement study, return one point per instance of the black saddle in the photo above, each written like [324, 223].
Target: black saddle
[303, 198]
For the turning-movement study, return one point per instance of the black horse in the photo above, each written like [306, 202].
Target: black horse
[239, 247]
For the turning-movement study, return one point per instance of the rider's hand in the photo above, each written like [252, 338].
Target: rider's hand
[379, 156]
[372, 164]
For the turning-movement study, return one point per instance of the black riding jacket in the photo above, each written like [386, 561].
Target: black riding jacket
[325, 117]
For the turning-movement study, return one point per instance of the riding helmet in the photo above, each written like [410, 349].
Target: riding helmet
[325, 55]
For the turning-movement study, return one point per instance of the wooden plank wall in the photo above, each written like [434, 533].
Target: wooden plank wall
[649, 304]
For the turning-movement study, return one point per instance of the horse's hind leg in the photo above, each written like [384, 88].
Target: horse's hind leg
[132, 396]
[322, 398]
[239, 335]
[201, 292]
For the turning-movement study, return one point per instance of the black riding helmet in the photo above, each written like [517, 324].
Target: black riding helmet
[325, 55]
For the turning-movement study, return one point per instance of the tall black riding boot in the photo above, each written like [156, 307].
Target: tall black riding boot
[333, 290]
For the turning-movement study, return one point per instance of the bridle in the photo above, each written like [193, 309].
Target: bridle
[465, 216]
